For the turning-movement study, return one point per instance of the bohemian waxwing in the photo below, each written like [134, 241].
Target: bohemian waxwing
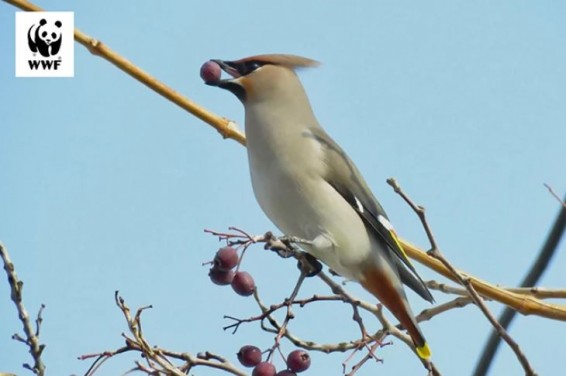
[310, 188]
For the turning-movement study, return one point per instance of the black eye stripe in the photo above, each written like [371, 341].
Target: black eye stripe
[248, 67]
[253, 65]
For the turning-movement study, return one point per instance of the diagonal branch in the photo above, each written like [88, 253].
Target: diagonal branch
[226, 127]
[525, 304]
[540, 265]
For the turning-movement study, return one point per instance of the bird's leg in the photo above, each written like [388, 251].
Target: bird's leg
[281, 246]
[286, 246]
[308, 264]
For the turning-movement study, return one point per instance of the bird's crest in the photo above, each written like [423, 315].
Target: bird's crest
[289, 61]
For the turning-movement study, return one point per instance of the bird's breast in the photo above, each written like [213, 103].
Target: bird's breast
[284, 176]
[288, 181]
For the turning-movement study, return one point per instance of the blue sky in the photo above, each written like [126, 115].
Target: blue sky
[106, 186]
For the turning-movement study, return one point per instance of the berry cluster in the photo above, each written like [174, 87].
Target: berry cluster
[225, 271]
[251, 356]
[222, 272]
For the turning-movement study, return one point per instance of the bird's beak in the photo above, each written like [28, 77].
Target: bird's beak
[229, 67]
[232, 84]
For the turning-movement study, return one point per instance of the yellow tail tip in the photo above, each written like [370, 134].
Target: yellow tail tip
[424, 352]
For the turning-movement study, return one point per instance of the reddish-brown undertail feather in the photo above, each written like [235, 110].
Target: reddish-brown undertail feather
[377, 283]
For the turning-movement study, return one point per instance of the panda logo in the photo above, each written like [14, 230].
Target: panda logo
[45, 38]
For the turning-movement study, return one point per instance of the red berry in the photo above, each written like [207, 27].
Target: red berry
[298, 361]
[286, 372]
[243, 284]
[226, 258]
[249, 356]
[210, 72]
[221, 277]
[264, 369]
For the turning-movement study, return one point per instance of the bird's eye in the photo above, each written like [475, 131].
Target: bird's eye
[248, 67]
[253, 65]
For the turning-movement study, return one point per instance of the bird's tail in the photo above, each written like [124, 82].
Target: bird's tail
[393, 297]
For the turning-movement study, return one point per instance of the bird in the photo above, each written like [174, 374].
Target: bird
[309, 188]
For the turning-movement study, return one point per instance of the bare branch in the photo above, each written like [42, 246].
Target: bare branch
[541, 263]
[285, 247]
[429, 313]
[464, 281]
[525, 304]
[537, 292]
[31, 336]
[158, 360]
[562, 202]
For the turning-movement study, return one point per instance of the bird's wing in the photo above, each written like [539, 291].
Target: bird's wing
[344, 176]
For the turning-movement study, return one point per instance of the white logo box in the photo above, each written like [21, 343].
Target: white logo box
[45, 44]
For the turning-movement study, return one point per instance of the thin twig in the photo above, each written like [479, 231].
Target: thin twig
[158, 360]
[463, 280]
[289, 315]
[31, 336]
[369, 355]
[537, 292]
[540, 292]
[535, 273]
[562, 202]
[429, 313]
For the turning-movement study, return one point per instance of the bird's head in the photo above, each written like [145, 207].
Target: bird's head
[257, 77]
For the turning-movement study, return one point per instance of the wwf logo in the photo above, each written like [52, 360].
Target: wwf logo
[45, 38]
[44, 44]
